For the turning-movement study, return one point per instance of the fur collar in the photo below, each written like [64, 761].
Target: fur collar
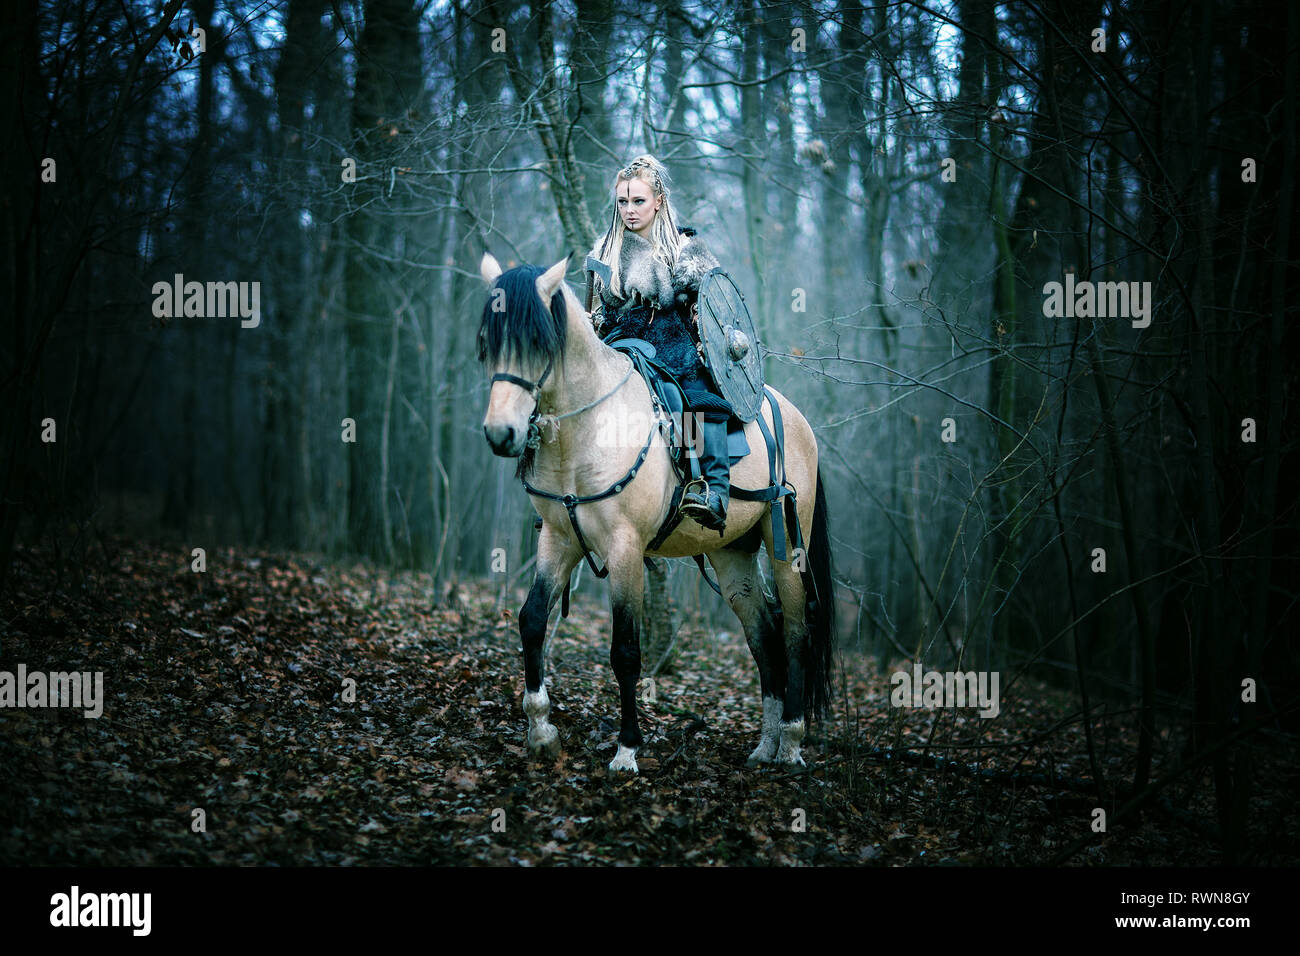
[646, 277]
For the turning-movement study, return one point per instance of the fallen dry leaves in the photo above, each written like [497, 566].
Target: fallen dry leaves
[227, 691]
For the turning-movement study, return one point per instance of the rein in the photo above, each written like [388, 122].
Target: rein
[538, 422]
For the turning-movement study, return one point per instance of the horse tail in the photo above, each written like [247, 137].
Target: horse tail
[819, 611]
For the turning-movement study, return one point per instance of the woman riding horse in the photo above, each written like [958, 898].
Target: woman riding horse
[655, 273]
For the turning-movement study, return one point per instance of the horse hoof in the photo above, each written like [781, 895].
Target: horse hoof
[790, 757]
[792, 763]
[624, 761]
[791, 739]
[761, 755]
[544, 739]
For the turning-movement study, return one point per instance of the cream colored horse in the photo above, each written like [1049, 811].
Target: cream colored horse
[548, 361]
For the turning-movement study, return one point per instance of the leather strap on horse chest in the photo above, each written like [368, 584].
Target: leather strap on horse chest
[571, 502]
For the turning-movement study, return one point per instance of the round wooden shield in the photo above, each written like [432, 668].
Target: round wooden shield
[731, 347]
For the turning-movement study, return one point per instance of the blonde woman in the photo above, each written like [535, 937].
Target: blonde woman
[655, 268]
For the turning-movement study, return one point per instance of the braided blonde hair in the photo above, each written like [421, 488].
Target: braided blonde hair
[664, 238]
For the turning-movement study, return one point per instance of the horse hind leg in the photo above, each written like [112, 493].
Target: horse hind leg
[769, 644]
[739, 581]
[790, 590]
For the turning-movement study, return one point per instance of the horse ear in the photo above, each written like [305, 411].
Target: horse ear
[489, 268]
[549, 281]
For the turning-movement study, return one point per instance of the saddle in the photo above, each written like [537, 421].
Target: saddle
[677, 401]
[668, 394]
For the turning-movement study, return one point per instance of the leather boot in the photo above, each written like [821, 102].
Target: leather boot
[706, 500]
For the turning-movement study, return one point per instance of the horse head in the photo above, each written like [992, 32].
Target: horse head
[521, 339]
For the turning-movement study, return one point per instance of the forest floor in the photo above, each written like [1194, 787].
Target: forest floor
[225, 692]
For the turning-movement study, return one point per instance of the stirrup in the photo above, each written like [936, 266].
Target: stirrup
[699, 510]
[696, 486]
[699, 487]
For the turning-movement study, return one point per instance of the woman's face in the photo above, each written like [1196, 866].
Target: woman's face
[637, 205]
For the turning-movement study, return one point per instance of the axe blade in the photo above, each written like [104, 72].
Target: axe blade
[598, 267]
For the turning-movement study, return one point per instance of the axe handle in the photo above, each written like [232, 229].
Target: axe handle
[693, 323]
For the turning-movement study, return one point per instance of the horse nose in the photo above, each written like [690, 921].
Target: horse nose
[501, 438]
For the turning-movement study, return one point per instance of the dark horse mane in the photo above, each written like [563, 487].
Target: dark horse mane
[524, 330]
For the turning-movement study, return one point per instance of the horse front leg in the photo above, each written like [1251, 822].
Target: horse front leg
[626, 599]
[554, 565]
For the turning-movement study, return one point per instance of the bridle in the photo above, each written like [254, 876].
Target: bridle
[533, 388]
[537, 421]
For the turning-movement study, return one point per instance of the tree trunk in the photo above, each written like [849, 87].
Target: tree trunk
[388, 88]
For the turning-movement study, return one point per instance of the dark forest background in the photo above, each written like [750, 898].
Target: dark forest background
[809, 143]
